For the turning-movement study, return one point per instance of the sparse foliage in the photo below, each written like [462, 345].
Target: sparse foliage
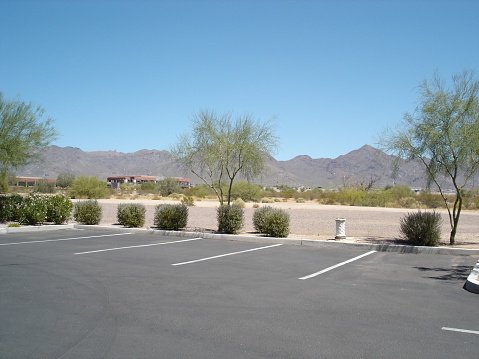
[24, 133]
[220, 149]
[443, 134]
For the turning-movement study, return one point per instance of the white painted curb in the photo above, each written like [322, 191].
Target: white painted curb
[50, 227]
[472, 282]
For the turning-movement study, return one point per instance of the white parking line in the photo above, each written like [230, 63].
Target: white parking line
[138, 246]
[461, 330]
[336, 266]
[63, 239]
[225, 255]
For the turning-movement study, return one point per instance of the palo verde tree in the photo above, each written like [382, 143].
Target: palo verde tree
[24, 132]
[220, 149]
[443, 134]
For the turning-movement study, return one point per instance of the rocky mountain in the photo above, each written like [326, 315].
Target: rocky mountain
[359, 166]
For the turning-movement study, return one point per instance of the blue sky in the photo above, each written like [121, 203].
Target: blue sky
[129, 75]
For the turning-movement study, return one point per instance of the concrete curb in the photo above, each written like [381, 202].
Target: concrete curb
[472, 282]
[53, 227]
[398, 248]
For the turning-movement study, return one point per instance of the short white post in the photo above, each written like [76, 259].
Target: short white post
[340, 228]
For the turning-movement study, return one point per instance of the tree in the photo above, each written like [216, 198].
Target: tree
[443, 134]
[88, 187]
[24, 132]
[168, 186]
[220, 149]
[65, 179]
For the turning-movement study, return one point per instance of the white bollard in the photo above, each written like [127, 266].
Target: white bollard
[340, 228]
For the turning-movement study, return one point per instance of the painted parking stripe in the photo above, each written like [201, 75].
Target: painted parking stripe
[64, 239]
[225, 255]
[461, 330]
[336, 266]
[138, 246]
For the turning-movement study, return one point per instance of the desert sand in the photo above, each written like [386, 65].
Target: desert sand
[313, 220]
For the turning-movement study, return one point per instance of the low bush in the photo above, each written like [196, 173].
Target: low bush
[171, 216]
[240, 202]
[44, 186]
[188, 201]
[249, 192]
[9, 207]
[271, 221]
[230, 218]
[87, 212]
[89, 187]
[59, 209]
[131, 215]
[421, 228]
[32, 210]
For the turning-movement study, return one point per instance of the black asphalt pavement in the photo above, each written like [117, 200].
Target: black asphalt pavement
[99, 294]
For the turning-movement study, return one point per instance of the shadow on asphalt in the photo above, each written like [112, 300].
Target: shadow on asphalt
[457, 273]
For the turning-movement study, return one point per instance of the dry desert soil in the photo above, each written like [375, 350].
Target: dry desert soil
[313, 220]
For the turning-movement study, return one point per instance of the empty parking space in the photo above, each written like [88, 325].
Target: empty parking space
[100, 294]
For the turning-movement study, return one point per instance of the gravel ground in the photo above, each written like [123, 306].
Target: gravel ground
[314, 221]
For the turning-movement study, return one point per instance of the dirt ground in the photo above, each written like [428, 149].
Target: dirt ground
[314, 221]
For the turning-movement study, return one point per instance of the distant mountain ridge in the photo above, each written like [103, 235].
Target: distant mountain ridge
[357, 166]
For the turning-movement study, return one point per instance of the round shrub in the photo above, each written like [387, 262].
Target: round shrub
[131, 214]
[59, 209]
[87, 212]
[171, 216]
[421, 228]
[240, 202]
[271, 221]
[259, 216]
[32, 210]
[188, 201]
[230, 218]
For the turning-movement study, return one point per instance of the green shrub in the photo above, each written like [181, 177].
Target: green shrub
[240, 202]
[188, 201]
[267, 200]
[88, 187]
[230, 218]
[59, 209]
[258, 218]
[271, 221]
[87, 212]
[300, 200]
[171, 216]
[9, 207]
[421, 228]
[131, 214]
[249, 192]
[32, 210]
[44, 186]
[4, 186]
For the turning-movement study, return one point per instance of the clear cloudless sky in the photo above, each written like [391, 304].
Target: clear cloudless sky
[128, 75]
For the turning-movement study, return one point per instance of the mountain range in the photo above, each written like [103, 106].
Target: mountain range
[360, 166]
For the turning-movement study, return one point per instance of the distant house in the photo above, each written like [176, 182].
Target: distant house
[115, 182]
[183, 182]
[30, 181]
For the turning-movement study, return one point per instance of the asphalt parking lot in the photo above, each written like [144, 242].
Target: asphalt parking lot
[98, 294]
